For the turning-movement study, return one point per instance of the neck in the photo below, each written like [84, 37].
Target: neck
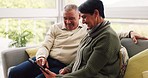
[99, 20]
[71, 28]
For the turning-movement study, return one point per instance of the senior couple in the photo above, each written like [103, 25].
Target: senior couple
[76, 50]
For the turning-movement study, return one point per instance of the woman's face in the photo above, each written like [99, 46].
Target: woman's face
[88, 19]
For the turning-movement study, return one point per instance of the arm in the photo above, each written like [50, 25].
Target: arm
[44, 50]
[47, 43]
[135, 36]
[131, 34]
[125, 34]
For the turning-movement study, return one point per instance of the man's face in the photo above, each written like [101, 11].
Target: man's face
[71, 19]
[88, 19]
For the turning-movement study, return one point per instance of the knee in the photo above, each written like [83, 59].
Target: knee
[12, 72]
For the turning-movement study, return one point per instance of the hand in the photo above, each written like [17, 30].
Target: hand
[63, 71]
[135, 36]
[41, 61]
[49, 74]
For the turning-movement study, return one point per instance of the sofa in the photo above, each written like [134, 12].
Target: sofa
[12, 57]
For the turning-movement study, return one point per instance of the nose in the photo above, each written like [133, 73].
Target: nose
[83, 21]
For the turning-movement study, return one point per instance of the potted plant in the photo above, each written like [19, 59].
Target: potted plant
[20, 39]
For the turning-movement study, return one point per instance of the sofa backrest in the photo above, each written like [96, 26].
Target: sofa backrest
[133, 48]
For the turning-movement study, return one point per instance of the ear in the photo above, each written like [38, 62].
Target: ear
[96, 12]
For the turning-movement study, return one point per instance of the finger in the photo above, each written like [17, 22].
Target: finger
[61, 71]
[49, 74]
[38, 61]
[43, 62]
[46, 74]
[47, 64]
[135, 40]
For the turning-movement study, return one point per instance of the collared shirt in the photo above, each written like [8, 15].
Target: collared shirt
[62, 44]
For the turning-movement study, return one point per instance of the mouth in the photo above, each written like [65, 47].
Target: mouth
[70, 25]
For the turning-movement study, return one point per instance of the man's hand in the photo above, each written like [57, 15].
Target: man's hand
[136, 36]
[49, 74]
[41, 61]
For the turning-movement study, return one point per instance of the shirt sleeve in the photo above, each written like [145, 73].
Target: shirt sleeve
[125, 34]
[47, 43]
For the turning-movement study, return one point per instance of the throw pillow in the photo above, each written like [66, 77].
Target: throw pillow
[136, 65]
[31, 51]
[123, 61]
[145, 74]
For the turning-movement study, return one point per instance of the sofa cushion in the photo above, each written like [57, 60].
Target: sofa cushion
[145, 74]
[137, 64]
[133, 48]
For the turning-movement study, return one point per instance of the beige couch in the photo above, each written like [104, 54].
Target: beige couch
[12, 57]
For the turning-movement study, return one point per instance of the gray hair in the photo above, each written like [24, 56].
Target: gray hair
[70, 7]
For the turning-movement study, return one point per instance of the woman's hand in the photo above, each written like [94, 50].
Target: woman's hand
[63, 71]
[49, 74]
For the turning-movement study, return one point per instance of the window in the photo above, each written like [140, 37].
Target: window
[126, 15]
[138, 25]
[19, 15]
[28, 4]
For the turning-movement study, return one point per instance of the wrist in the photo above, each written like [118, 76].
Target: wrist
[41, 57]
[130, 34]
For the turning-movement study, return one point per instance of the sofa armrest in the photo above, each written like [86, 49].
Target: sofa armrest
[133, 48]
[12, 57]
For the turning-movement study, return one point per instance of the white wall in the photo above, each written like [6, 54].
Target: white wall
[127, 12]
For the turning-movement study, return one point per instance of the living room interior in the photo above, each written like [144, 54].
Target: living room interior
[30, 19]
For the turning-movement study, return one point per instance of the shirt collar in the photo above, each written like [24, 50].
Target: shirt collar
[64, 28]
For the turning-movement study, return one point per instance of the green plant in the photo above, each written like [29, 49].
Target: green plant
[20, 39]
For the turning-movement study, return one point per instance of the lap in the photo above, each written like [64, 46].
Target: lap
[55, 65]
[30, 69]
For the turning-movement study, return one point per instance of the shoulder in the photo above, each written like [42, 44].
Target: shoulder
[57, 26]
